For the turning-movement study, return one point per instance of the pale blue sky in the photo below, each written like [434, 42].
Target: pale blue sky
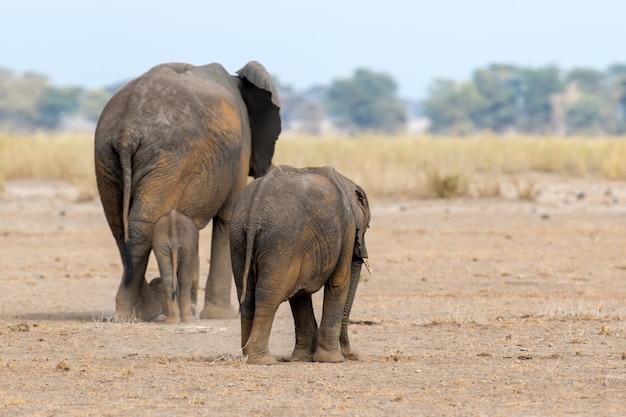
[97, 43]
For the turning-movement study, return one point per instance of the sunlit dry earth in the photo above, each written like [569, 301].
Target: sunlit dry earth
[476, 307]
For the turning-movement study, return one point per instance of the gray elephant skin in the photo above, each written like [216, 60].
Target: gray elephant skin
[293, 232]
[175, 247]
[182, 137]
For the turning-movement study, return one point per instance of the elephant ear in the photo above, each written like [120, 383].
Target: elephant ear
[362, 220]
[259, 93]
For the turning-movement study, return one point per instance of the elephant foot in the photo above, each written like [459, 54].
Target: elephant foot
[129, 308]
[172, 320]
[213, 311]
[301, 355]
[262, 359]
[323, 355]
[351, 356]
[160, 318]
[188, 319]
[139, 312]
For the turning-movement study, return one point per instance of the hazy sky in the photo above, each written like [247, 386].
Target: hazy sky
[97, 43]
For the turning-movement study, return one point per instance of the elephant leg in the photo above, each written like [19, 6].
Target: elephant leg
[163, 256]
[173, 312]
[335, 296]
[247, 317]
[256, 347]
[306, 327]
[184, 303]
[188, 274]
[135, 300]
[219, 282]
[194, 296]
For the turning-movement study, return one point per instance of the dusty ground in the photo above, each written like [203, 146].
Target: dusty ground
[476, 307]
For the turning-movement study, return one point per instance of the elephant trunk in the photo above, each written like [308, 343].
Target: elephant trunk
[355, 272]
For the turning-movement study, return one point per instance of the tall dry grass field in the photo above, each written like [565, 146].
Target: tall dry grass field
[46, 156]
[448, 167]
[409, 166]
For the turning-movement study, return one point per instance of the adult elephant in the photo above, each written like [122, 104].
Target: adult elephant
[182, 137]
[293, 232]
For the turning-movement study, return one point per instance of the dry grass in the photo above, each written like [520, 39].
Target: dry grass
[45, 156]
[450, 167]
[580, 309]
[411, 166]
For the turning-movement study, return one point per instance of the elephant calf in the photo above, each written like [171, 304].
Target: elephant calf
[175, 246]
[293, 232]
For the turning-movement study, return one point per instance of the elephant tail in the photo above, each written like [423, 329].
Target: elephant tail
[125, 153]
[251, 235]
[175, 247]
[174, 271]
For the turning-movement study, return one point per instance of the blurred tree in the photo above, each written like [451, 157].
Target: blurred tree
[29, 102]
[595, 110]
[617, 69]
[587, 80]
[451, 106]
[5, 81]
[19, 98]
[367, 101]
[587, 116]
[616, 74]
[289, 100]
[308, 117]
[499, 86]
[92, 102]
[537, 88]
[56, 103]
[389, 115]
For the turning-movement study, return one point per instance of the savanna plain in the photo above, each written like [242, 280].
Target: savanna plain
[499, 289]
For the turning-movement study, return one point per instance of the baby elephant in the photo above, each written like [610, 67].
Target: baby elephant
[175, 246]
[293, 232]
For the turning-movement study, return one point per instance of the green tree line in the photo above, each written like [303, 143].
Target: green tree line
[499, 98]
[508, 98]
[30, 101]
[366, 101]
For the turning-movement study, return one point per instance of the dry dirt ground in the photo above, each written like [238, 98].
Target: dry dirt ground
[490, 307]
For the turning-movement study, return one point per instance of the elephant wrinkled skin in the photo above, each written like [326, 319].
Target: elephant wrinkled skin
[183, 138]
[293, 232]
